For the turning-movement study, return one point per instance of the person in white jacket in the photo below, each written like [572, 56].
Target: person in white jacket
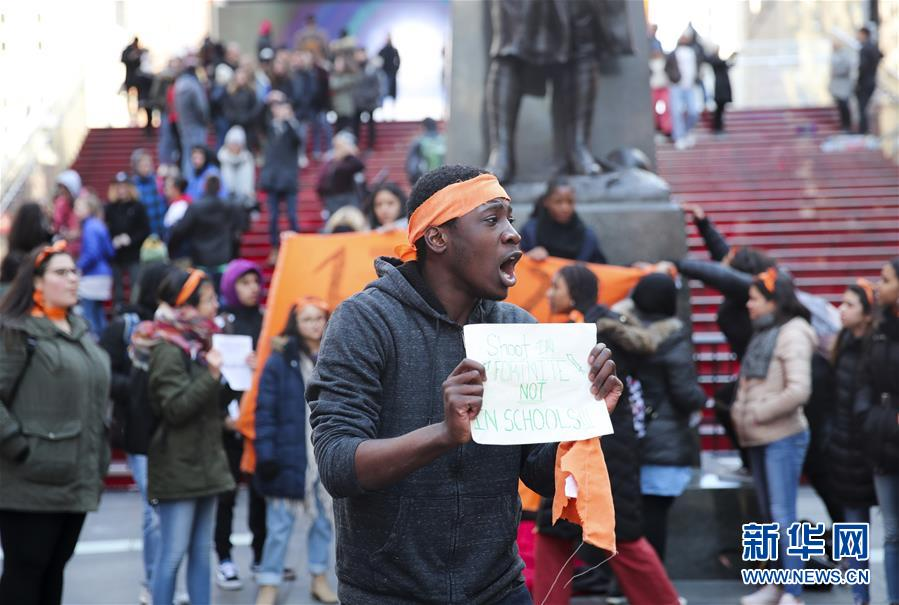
[238, 170]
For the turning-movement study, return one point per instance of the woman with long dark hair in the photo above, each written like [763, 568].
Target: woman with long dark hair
[850, 471]
[386, 207]
[30, 228]
[775, 383]
[878, 401]
[187, 466]
[286, 473]
[555, 229]
[54, 387]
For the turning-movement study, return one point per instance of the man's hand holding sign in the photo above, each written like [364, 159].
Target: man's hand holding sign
[527, 384]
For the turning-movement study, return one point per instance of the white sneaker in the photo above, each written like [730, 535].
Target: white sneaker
[144, 597]
[682, 144]
[226, 577]
[788, 599]
[767, 595]
[182, 598]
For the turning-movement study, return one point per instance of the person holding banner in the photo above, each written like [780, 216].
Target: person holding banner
[672, 397]
[555, 229]
[423, 514]
[640, 573]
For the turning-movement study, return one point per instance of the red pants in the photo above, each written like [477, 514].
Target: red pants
[640, 573]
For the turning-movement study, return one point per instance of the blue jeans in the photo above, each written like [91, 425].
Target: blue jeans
[280, 515]
[684, 113]
[321, 133]
[853, 514]
[887, 488]
[776, 468]
[93, 313]
[138, 465]
[167, 147]
[274, 211]
[185, 528]
[320, 538]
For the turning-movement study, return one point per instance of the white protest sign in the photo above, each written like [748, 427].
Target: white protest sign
[235, 349]
[537, 390]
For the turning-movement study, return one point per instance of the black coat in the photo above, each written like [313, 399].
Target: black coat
[208, 227]
[671, 393]
[877, 400]
[733, 318]
[851, 472]
[868, 59]
[305, 88]
[127, 217]
[241, 108]
[279, 172]
[722, 80]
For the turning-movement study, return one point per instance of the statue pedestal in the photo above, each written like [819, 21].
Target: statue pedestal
[630, 211]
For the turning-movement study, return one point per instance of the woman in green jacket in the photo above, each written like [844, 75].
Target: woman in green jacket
[187, 466]
[54, 385]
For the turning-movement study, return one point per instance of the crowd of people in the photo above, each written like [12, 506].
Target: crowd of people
[413, 504]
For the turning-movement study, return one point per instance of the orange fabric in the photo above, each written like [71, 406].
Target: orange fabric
[334, 267]
[190, 286]
[592, 509]
[450, 202]
[42, 309]
[47, 251]
[530, 500]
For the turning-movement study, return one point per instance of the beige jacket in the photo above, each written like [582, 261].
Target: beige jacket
[769, 409]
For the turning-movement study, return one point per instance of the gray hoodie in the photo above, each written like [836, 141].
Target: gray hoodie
[446, 533]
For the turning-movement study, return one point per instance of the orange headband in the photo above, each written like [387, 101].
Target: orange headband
[190, 286]
[47, 251]
[868, 288]
[769, 279]
[450, 202]
[313, 301]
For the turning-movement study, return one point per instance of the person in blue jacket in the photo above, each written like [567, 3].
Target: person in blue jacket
[203, 162]
[286, 473]
[97, 252]
[555, 229]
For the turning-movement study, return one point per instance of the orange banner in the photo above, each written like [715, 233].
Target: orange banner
[334, 267]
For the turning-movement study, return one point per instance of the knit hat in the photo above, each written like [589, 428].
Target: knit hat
[656, 294]
[233, 272]
[71, 180]
[236, 135]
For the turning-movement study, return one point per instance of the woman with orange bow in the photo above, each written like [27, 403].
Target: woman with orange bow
[54, 386]
[286, 473]
[850, 471]
[186, 464]
[775, 383]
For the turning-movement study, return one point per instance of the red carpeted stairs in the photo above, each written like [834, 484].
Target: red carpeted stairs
[829, 217]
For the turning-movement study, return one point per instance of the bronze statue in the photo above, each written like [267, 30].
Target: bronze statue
[558, 40]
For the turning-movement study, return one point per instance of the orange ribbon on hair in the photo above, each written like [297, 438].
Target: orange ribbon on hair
[868, 288]
[450, 202]
[769, 279]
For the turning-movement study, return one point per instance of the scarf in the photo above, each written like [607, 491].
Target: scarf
[563, 240]
[42, 309]
[761, 348]
[181, 326]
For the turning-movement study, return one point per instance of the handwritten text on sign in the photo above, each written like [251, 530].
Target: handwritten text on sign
[537, 390]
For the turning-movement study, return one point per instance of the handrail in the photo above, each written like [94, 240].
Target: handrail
[15, 174]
